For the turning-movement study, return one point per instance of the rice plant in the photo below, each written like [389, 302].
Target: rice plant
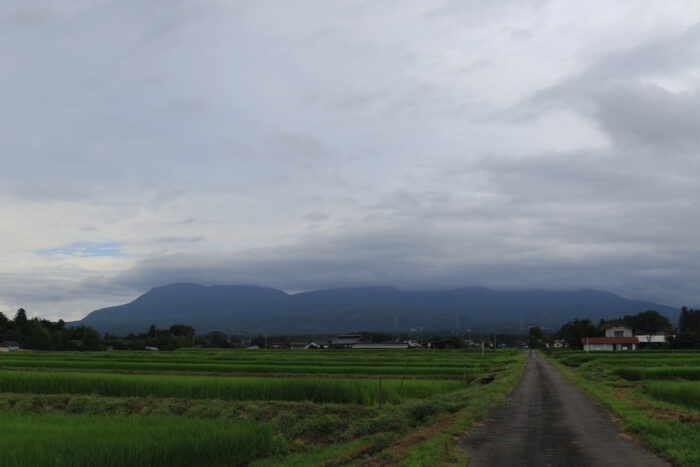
[671, 372]
[357, 390]
[79, 440]
[685, 393]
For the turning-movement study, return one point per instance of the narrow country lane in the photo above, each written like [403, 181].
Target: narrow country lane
[550, 423]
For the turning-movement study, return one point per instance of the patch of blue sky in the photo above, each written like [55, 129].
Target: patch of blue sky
[87, 249]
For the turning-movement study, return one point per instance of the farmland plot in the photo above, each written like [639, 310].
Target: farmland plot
[655, 394]
[238, 407]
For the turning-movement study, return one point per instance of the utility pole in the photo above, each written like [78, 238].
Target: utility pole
[494, 341]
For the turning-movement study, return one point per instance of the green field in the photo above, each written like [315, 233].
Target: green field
[655, 394]
[239, 407]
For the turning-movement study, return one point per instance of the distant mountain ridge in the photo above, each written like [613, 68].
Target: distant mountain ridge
[253, 309]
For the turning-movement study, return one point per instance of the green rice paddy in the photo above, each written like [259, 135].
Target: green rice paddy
[235, 407]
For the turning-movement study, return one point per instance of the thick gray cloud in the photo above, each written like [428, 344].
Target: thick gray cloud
[304, 145]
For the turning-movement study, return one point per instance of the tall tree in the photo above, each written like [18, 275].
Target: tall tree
[573, 331]
[648, 322]
[535, 338]
[689, 327]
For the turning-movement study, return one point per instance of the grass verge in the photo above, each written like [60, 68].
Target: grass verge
[666, 432]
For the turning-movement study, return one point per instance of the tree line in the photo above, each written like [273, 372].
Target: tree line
[42, 334]
[685, 336]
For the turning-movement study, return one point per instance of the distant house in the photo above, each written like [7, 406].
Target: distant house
[558, 344]
[591, 344]
[8, 346]
[346, 341]
[278, 345]
[616, 338]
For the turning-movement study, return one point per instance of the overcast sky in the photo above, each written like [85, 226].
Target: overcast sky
[310, 144]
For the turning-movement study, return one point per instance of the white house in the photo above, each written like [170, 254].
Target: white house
[616, 338]
[618, 331]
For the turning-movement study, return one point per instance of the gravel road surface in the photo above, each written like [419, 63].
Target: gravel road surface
[550, 423]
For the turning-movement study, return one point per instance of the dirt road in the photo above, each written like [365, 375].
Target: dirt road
[550, 423]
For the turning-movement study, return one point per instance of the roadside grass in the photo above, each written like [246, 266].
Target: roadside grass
[660, 426]
[444, 420]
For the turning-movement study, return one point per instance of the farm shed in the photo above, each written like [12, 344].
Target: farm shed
[609, 343]
[346, 341]
[658, 338]
[381, 346]
[8, 346]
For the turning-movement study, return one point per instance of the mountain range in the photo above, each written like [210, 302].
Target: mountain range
[243, 309]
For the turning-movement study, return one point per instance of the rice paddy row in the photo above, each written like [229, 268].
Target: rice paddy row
[257, 368]
[322, 390]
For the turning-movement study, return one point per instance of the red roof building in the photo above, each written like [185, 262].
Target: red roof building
[609, 343]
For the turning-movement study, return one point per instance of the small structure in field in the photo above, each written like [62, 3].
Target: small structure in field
[652, 339]
[346, 341]
[304, 345]
[441, 344]
[152, 348]
[558, 344]
[9, 346]
[278, 345]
